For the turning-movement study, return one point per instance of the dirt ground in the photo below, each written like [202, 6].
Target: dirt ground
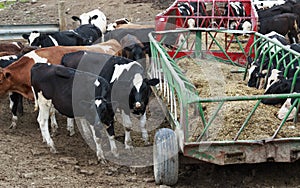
[27, 162]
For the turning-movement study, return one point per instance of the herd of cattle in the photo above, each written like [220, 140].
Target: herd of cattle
[90, 72]
[86, 73]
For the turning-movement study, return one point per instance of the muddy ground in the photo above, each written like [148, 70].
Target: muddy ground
[27, 162]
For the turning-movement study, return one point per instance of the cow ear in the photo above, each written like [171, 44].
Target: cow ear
[94, 17]
[75, 18]
[152, 82]
[25, 36]
[7, 75]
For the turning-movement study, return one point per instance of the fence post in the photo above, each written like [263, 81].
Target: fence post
[62, 20]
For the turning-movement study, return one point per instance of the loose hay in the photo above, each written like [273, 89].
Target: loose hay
[214, 79]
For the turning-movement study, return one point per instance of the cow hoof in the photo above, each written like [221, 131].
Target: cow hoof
[53, 150]
[72, 133]
[147, 143]
[129, 147]
[115, 153]
[13, 125]
[102, 160]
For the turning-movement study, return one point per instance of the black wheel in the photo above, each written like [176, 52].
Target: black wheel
[165, 157]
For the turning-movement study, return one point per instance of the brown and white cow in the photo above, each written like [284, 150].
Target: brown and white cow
[16, 77]
[14, 48]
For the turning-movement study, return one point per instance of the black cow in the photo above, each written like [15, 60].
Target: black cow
[283, 24]
[16, 99]
[73, 93]
[130, 90]
[83, 35]
[140, 34]
[287, 7]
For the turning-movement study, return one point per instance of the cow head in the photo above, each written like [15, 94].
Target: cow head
[285, 108]
[275, 76]
[134, 52]
[38, 39]
[140, 93]
[94, 17]
[33, 38]
[254, 74]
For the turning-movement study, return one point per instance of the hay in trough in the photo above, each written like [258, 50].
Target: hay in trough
[214, 79]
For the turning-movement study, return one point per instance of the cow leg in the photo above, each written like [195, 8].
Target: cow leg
[70, 126]
[97, 139]
[143, 129]
[127, 126]
[110, 132]
[43, 117]
[13, 104]
[54, 125]
[20, 104]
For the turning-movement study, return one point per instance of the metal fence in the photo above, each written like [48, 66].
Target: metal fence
[14, 32]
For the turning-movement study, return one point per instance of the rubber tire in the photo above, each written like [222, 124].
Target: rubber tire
[165, 157]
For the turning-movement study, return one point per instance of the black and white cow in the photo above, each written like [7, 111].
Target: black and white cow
[16, 99]
[282, 86]
[192, 9]
[77, 94]
[83, 35]
[130, 89]
[258, 70]
[94, 17]
[276, 75]
[237, 9]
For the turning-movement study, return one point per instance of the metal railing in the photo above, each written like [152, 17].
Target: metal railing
[14, 32]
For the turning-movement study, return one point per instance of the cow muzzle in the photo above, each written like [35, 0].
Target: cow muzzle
[138, 108]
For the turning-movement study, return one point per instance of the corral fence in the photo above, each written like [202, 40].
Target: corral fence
[187, 109]
[15, 31]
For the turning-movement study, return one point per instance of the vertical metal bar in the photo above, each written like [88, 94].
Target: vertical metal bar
[198, 45]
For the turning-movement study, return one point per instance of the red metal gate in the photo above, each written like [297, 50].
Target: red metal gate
[210, 14]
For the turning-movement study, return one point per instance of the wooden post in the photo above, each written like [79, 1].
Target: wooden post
[62, 20]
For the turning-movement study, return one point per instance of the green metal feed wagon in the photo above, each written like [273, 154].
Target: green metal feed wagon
[188, 108]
